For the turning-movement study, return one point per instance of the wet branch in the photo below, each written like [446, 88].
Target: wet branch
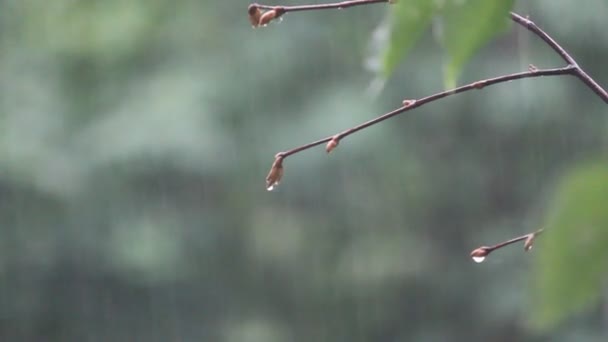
[260, 18]
[482, 252]
[411, 104]
[335, 5]
[261, 15]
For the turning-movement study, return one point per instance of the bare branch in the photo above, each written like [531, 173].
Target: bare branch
[411, 104]
[273, 12]
[479, 254]
[260, 15]
[258, 18]
[335, 5]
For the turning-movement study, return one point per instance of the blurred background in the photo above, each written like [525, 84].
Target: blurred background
[135, 136]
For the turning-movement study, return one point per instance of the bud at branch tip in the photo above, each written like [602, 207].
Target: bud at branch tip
[529, 242]
[254, 14]
[275, 174]
[480, 254]
[257, 17]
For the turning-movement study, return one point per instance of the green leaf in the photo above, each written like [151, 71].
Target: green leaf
[572, 264]
[468, 25]
[409, 19]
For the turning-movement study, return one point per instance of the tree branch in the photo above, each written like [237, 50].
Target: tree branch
[258, 18]
[578, 71]
[335, 5]
[261, 15]
[411, 104]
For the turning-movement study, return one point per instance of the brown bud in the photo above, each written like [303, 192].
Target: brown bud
[408, 103]
[529, 242]
[254, 14]
[332, 144]
[392, 1]
[480, 254]
[479, 84]
[267, 17]
[276, 173]
[280, 11]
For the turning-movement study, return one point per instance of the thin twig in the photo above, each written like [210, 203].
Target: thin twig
[336, 5]
[411, 104]
[571, 69]
[479, 254]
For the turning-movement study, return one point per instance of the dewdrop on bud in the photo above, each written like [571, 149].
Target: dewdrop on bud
[480, 254]
[332, 144]
[254, 14]
[276, 173]
[269, 16]
[529, 242]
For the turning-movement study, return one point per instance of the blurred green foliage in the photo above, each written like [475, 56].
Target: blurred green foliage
[468, 26]
[462, 27]
[135, 140]
[573, 262]
[408, 21]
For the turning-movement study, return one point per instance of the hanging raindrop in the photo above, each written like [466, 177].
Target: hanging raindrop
[275, 174]
[479, 259]
[480, 254]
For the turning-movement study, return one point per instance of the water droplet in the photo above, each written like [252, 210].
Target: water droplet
[479, 259]
[280, 20]
[272, 186]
